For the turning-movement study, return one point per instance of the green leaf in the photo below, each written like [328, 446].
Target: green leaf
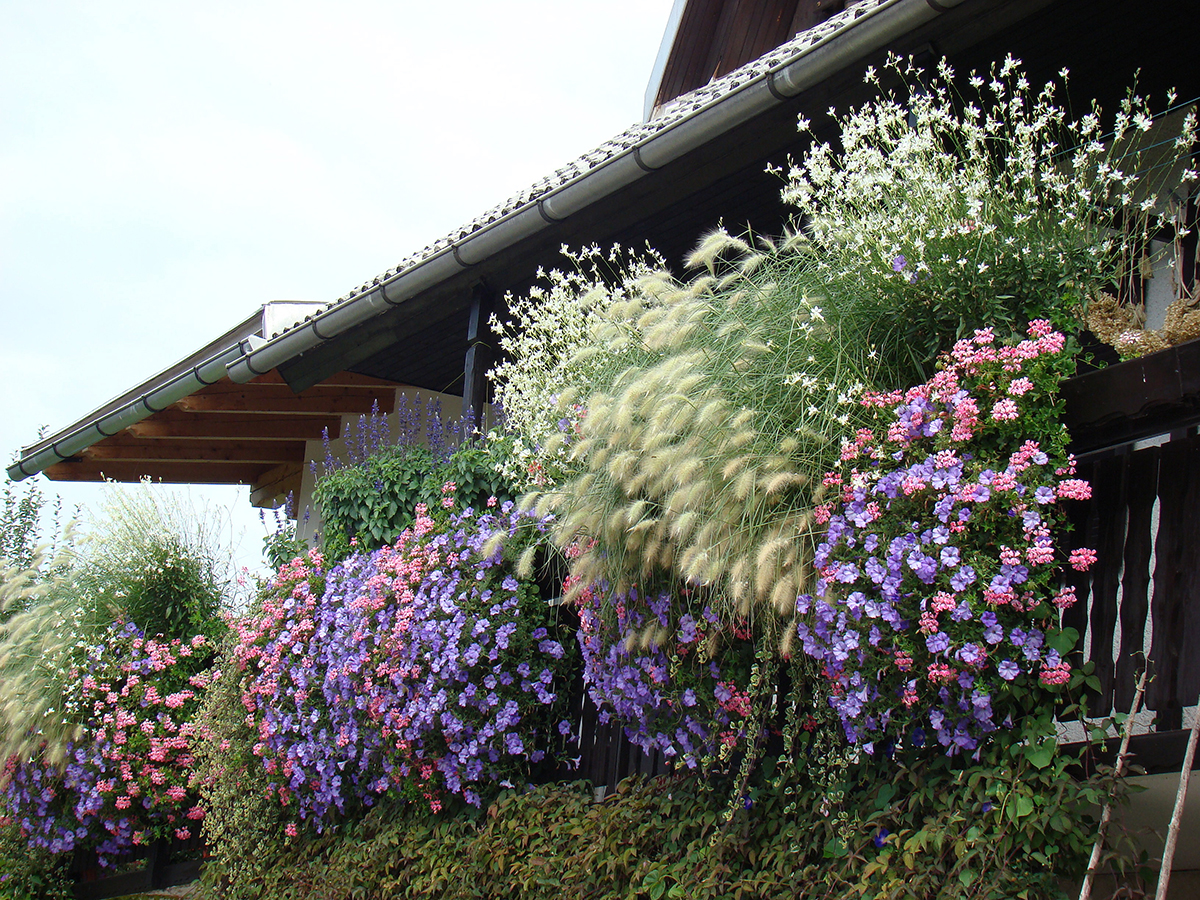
[1040, 757]
[835, 848]
[1063, 641]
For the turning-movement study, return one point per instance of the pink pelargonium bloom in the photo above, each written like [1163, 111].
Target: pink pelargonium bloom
[1056, 675]
[1065, 598]
[1074, 489]
[1005, 410]
[1082, 559]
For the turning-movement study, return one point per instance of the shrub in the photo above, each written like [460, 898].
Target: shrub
[714, 407]
[124, 780]
[936, 613]
[541, 337]
[676, 682]
[153, 559]
[241, 808]
[368, 500]
[929, 830]
[21, 526]
[30, 875]
[424, 668]
[944, 212]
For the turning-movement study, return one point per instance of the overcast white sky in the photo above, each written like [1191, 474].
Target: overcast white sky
[167, 167]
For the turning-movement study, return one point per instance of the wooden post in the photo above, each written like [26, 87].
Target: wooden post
[1164, 871]
[1085, 892]
[479, 354]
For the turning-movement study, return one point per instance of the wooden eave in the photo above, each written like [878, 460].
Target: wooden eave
[226, 433]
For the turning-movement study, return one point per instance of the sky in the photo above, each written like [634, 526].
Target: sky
[166, 168]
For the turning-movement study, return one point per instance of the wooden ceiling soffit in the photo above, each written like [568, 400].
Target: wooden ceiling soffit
[273, 486]
[170, 472]
[243, 426]
[265, 399]
[185, 450]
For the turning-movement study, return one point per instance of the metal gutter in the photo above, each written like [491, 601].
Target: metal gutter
[154, 400]
[206, 366]
[857, 38]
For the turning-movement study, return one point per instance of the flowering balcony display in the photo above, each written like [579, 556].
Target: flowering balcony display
[936, 613]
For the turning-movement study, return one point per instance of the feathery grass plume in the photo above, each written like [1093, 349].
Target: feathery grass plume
[547, 341]
[685, 465]
[43, 633]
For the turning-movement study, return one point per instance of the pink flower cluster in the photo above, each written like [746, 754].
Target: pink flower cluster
[939, 583]
[127, 784]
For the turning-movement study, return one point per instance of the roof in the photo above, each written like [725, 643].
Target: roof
[667, 117]
[257, 347]
[685, 125]
[189, 423]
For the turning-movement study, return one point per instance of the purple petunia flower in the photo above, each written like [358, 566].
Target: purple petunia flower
[937, 643]
[962, 578]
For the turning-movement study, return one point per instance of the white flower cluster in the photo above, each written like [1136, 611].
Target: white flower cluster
[945, 198]
[540, 338]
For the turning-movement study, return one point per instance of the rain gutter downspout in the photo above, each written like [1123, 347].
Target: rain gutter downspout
[854, 40]
[182, 385]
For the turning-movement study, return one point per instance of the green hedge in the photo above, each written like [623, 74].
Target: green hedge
[928, 831]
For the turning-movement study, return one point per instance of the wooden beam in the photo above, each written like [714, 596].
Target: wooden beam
[235, 426]
[170, 472]
[282, 391]
[184, 450]
[338, 379]
[272, 486]
[328, 400]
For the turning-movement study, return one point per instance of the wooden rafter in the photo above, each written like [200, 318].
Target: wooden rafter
[122, 448]
[229, 433]
[168, 471]
[280, 399]
[242, 426]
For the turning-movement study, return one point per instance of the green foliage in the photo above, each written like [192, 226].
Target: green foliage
[21, 523]
[26, 875]
[281, 545]
[149, 558]
[233, 784]
[372, 501]
[1004, 827]
[153, 559]
[541, 337]
[947, 207]
[710, 411]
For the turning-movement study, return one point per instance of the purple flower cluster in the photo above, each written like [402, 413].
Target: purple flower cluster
[423, 668]
[937, 603]
[673, 696]
[126, 784]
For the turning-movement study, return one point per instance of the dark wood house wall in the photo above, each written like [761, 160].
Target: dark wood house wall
[717, 36]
